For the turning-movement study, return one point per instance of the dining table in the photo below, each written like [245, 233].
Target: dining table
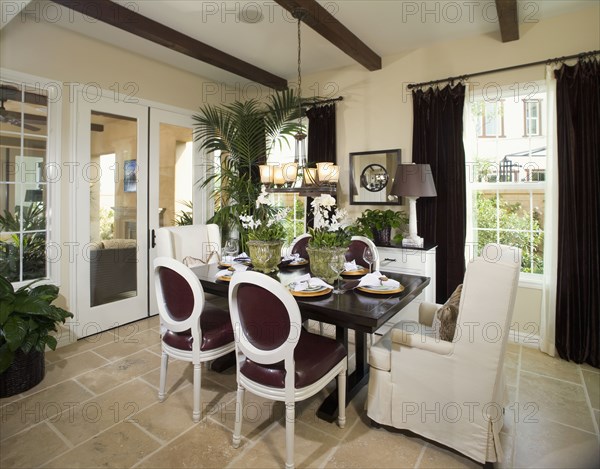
[362, 312]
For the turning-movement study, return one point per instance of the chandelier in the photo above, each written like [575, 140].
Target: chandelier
[297, 177]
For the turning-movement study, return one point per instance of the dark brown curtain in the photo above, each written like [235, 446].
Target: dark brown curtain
[438, 140]
[322, 136]
[322, 141]
[578, 280]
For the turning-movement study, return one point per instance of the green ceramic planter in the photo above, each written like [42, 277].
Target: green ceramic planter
[320, 262]
[265, 255]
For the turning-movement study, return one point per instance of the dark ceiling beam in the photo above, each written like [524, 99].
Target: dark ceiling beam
[10, 93]
[323, 22]
[508, 17]
[144, 27]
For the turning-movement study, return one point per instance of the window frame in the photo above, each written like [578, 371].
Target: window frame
[538, 119]
[482, 119]
[54, 170]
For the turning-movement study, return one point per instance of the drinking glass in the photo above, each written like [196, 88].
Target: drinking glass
[337, 265]
[369, 257]
[231, 249]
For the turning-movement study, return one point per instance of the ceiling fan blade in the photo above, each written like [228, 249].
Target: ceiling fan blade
[30, 127]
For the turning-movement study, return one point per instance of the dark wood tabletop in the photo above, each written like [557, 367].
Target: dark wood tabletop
[354, 309]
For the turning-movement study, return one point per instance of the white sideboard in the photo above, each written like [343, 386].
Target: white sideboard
[414, 261]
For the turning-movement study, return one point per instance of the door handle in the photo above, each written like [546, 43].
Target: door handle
[152, 238]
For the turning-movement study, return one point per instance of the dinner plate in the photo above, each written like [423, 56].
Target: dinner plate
[295, 263]
[381, 289]
[224, 265]
[349, 273]
[312, 291]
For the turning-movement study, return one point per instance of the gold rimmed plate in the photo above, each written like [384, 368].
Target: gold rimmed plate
[355, 273]
[224, 278]
[224, 265]
[381, 290]
[312, 292]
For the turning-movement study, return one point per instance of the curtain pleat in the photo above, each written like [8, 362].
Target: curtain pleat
[578, 145]
[438, 141]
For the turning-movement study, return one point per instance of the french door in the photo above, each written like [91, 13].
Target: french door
[137, 170]
[111, 214]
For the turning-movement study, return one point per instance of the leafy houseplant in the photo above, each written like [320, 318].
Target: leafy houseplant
[244, 133]
[27, 318]
[265, 231]
[328, 239]
[378, 224]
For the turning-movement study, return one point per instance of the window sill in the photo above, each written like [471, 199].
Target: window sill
[531, 281]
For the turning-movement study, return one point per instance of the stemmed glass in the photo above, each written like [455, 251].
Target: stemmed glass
[369, 257]
[336, 264]
[231, 249]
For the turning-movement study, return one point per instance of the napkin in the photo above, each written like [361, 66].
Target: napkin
[292, 258]
[372, 280]
[350, 266]
[305, 281]
[242, 257]
[228, 273]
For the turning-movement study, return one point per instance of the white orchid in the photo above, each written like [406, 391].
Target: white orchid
[263, 198]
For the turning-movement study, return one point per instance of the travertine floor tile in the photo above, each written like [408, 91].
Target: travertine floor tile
[538, 362]
[592, 383]
[207, 444]
[586, 367]
[115, 373]
[128, 344]
[68, 368]
[120, 446]
[31, 448]
[437, 457]
[552, 399]
[548, 444]
[370, 447]
[173, 416]
[46, 404]
[82, 345]
[95, 415]
[311, 448]
[179, 375]
[508, 447]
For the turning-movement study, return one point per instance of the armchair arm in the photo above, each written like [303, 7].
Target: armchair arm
[427, 312]
[415, 335]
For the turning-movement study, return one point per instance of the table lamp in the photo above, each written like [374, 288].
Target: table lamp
[413, 181]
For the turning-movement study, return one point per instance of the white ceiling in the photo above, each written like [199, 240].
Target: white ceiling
[388, 27]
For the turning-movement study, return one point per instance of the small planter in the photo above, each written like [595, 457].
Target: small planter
[382, 237]
[265, 255]
[320, 261]
[26, 370]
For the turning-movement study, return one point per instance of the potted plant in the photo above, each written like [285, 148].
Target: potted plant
[244, 133]
[329, 239]
[27, 318]
[378, 224]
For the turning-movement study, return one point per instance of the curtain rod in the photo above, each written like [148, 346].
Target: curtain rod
[317, 101]
[504, 69]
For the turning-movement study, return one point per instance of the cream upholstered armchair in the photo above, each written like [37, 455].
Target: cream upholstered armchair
[452, 392]
[195, 241]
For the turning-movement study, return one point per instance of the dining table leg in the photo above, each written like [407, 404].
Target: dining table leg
[355, 381]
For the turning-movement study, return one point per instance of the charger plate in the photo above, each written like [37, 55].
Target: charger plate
[355, 273]
[381, 290]
[314, 291]
[224, 278]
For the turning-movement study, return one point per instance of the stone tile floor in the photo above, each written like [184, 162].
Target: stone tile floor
[98, 407]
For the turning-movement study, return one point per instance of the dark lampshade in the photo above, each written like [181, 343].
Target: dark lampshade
[413, 180]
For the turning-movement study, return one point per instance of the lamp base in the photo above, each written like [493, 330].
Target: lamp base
[416, 242]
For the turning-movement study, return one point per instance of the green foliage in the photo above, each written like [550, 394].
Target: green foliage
[33, 245]
[511, 217]
[371, 220]
[185, 217]
[322, 238]
[107, 223]
[244, 133]
[26, 319]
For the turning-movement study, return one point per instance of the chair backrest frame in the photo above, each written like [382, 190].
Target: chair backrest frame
[369, 243]
[299, 245]
[192, 322]
[244, 346]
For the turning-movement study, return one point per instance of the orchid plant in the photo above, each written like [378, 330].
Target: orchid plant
[329, 230]
[267, 221]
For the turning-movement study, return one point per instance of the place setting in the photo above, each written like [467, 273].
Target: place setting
[378, 284]
[293, 260]
[306, 286]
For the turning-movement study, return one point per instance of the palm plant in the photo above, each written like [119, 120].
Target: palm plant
[244, 133]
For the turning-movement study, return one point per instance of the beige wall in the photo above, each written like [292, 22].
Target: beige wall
[376, 112]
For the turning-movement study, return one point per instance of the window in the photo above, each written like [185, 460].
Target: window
[489, 118]
[505, 178]
[532, 117]
[25, 227]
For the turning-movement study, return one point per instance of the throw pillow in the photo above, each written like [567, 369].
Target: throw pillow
[446, 316]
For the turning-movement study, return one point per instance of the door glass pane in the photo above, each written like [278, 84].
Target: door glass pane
[176, 175]
[112, 177]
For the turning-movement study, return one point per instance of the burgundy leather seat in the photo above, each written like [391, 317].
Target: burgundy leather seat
[215, 324]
